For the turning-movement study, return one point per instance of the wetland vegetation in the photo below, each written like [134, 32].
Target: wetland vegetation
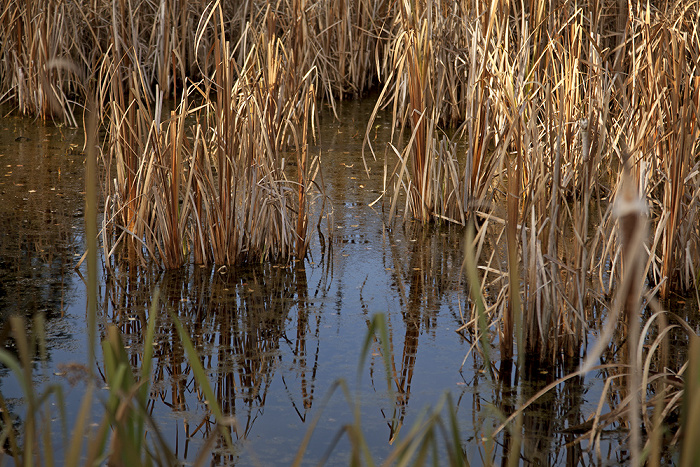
[513, 185]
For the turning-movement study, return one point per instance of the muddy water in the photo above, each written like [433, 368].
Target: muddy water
[274, 339]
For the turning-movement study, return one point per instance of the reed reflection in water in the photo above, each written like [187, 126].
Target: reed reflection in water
[422, 280]
[238, 319]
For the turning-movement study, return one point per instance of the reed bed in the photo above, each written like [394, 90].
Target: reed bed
[529, 123]
[37, 72]
[561, 95]
[613, 246]
[50, 50]
[551, 97]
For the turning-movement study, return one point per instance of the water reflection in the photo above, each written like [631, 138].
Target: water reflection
[40, 234]
[41, 215]
[237, 319]
[422, 279]
[549, 422]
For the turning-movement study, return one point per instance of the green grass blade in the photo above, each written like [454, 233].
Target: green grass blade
[76, 443]
[201, 377]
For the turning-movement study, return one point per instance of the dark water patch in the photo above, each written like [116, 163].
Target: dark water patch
[41, 205]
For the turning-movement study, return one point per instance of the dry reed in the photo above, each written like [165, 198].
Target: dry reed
[541, 98]
[217, 188]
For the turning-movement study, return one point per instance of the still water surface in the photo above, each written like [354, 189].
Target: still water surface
[273, 339]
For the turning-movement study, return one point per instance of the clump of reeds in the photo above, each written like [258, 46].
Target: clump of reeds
[536, 115]
[552, 109]
[645, 172]
[666, 122]
[423, 90]
[217, 188]
[560, 108]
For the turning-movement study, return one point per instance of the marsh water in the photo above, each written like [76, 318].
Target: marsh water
[273, 338]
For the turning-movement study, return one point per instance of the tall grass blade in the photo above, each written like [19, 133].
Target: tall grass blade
[203, 381]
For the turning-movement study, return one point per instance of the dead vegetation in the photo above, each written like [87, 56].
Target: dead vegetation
[562, 114]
